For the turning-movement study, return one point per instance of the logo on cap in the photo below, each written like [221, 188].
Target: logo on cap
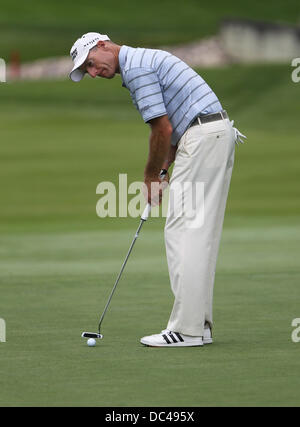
[74, 54]
[91, 41]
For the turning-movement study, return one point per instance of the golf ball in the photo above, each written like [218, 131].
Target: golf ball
[91, 342]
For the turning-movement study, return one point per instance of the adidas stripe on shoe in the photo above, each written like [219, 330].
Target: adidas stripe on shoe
[171, 339]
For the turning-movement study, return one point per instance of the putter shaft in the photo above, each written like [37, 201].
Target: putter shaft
[121, 271]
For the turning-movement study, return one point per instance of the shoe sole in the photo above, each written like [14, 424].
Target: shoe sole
[208, 341]
[172, 345]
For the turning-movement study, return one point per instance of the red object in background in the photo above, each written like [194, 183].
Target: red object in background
[15, 64]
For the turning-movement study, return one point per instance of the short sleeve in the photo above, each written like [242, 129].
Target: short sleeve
[145, 91]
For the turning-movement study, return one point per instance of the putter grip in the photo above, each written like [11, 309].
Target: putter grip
[147, 209]
[146, 212]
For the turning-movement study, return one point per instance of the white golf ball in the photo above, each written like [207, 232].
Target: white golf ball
[91, 342]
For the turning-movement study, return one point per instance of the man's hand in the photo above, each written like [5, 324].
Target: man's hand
[152, 190]
[155, 188]
[159, 147]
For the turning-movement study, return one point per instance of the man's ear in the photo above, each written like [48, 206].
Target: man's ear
[100, 43]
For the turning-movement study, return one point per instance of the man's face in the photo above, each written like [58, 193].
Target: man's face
[101, 62]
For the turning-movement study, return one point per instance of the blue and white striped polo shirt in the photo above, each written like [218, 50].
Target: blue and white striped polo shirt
[160, 83]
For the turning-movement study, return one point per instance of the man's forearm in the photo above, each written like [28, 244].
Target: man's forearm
[159, 147]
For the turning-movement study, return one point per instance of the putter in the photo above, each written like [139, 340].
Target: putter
[144, 218]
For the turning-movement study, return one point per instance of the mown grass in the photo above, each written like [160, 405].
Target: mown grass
[59, 260]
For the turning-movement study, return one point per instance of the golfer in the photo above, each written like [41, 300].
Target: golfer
[189, 126]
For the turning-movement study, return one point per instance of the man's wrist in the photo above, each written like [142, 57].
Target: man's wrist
[150, 176]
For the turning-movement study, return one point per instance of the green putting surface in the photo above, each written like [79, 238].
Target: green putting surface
[59, 260]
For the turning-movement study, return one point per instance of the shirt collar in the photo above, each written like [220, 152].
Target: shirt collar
[122, 61]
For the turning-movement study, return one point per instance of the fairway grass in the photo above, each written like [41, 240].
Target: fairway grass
[56, 286]
[59, 261]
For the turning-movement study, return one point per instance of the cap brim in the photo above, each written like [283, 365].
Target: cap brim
[76, 75]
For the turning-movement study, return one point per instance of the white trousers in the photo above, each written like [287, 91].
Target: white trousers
[198, 193]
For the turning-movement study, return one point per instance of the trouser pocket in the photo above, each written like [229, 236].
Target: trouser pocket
[215, 148]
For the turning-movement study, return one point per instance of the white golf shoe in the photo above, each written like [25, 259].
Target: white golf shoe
[171, 339]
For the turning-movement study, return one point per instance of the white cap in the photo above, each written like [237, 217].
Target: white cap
[80, 51]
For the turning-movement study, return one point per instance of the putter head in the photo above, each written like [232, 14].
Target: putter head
[91, 335]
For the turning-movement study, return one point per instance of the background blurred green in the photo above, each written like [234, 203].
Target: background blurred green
[59, 260]
[44, 28]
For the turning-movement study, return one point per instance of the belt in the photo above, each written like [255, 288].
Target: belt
[206, 118]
